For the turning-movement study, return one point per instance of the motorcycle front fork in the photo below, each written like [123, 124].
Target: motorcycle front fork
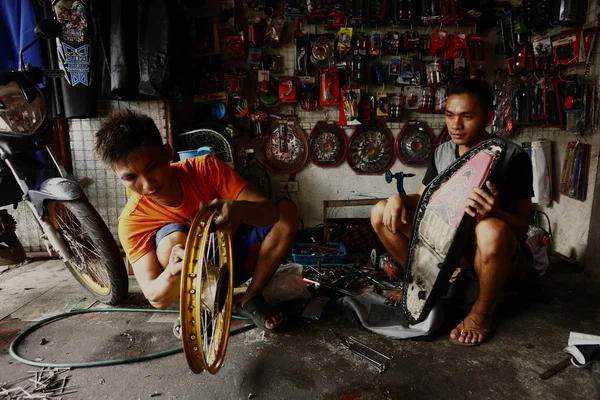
[51, 234]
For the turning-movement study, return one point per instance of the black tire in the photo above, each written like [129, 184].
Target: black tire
[81, 227]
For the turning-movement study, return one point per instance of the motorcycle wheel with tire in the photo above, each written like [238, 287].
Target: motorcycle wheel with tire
[95, 259]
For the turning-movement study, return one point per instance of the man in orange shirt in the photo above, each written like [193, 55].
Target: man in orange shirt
[166, 197]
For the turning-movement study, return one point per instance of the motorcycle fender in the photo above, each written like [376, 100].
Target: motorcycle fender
[55, 189]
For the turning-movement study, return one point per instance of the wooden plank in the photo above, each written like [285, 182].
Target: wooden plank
[350, 203]
[31, 284]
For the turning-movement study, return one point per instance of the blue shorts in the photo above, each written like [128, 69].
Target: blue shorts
[246, 244]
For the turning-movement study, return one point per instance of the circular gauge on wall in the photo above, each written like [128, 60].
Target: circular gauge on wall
[327, 144]
[286, 149]
[415, 144]
[371, 149]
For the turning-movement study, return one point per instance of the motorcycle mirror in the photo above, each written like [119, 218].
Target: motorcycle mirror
[48, 29]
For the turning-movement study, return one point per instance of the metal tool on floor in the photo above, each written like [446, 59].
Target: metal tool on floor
[372, 356]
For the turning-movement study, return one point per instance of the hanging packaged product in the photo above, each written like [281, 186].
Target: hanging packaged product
[258, 124]
[426, 100]
[407, 11]
[349, 107]
[392, 43]
[329, 82]
[522, 62]
[412, 95]
[574, 177]
[301, 47]
[424, 43]
[394, 66]
[255, 58]
[410, 41]
[256, 31]
[366, 108]
[359, 58]
[273, 63]
[382, 109]
[294, 8]
[288, 88]
[374, 47]
[263, 81]
[567, 47]
[440, 96]
[238, 107]
[434, 73]
[459, 70]
[334, 20]
[396, 104]
[440, 42]
[475, 49]
[275, 24]
[236, 48]
[452, 10]
[235, 87]
[407, 71]
[321, 49]
[376, 11]
[308, 93]
[377, 74]
[542, 52]
[269, 98]
[356, 12]
[344, 41]
[579, 104]
[431, 10]
[569, 12]
[458, 44]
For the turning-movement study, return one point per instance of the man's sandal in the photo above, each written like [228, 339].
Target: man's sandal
[259, 310]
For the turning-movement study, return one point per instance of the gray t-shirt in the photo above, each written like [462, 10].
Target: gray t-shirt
[516, 177]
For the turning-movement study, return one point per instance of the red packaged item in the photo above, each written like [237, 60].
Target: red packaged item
[288, 89]
[475, 48]
[439, 42]
[458, 43]
[329, 83]
[567, 47]
[236, 48]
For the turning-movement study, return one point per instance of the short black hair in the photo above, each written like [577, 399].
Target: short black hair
[123, 133]
[476, 87]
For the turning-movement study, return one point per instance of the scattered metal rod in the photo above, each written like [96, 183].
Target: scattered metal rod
[370, 348]
[376, 364]
[361, 352]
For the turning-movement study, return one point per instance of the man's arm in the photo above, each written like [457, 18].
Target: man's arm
[256, 209]
[249, 207]
[160, 287]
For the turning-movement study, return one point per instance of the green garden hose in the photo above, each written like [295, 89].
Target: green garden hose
[15, 343]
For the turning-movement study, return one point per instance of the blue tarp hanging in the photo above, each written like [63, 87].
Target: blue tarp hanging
[17, 24]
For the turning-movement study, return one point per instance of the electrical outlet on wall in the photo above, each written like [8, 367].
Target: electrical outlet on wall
[290, 186]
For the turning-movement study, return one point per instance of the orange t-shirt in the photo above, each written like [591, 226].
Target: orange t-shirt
[203, 179]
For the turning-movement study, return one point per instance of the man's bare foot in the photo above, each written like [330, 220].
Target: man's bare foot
[473, 329]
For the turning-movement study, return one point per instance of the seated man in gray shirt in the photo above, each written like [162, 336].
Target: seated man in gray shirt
[498, 253]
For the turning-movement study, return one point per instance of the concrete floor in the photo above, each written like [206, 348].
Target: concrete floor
[307, 362]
